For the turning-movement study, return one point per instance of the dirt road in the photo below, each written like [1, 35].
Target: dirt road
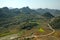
[9, 37]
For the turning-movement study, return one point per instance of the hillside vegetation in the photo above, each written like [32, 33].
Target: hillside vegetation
[56, 23]
[15, 20]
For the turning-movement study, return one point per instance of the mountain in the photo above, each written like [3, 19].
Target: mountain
[14, 20]
[55, 23]
[6, 12]
[27, 10]
[47, 15]
[54, 12]
[11, 20]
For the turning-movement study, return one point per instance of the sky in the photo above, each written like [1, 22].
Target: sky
[51, 4]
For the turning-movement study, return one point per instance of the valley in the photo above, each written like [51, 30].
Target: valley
[29, 24]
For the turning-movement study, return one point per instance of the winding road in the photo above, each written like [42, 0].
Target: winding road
[53, 31]
[13, 36]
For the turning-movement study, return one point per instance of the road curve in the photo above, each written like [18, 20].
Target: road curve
[16, 36]
[53, 31]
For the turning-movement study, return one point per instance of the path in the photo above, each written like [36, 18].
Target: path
[13, 36]
[9, 37]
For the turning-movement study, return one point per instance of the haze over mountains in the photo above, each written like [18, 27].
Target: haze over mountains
[16, 11]
[14, 20]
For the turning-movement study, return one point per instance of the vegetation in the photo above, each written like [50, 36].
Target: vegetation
[48, 15]
[15, 20]
[56, 23]
[41, 30]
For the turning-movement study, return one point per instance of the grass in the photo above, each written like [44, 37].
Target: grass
[21, 32]
[41, 30]
[5, 34]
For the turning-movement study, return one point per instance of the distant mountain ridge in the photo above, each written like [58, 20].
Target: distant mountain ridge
[15, 11]
[12, 20]
[48, 15]
[52, 11]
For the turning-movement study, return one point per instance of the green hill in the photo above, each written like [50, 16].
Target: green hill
[56, 23]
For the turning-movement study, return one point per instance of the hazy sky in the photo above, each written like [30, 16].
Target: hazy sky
[53, 4]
